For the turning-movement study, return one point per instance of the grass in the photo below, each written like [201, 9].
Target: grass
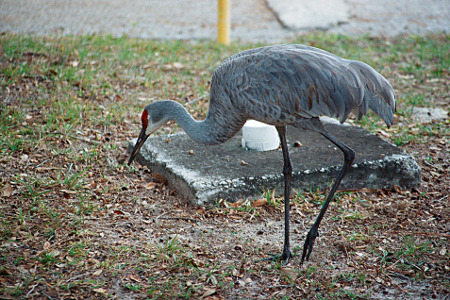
[76, 221]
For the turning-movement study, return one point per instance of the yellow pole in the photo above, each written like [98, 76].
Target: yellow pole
[223, 22]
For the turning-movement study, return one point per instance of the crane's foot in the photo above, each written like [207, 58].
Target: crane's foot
[284, 257]
[309, 243]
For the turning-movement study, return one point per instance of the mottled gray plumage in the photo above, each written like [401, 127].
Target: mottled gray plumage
[284, 84]
[281, 85]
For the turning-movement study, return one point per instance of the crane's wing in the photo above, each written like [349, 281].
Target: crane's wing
[280, 84]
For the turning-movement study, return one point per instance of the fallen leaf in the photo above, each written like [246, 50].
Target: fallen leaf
[92, 185]
[68, 192]
[97, 273]
[100, 290]
[234, 204]
[150, 185]
[175, 65]
[213, 280]
[279, 293]
[259, 202]
[397, 189]
[241, 282]
[208, 292]
[290, 273]
[7, 190]
[384, 133]
[178, 65]
[23, 159]
[47, 245]
[135, 278]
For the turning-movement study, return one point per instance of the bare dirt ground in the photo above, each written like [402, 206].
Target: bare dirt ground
[389, 244]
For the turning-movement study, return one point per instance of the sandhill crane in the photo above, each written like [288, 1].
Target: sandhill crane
[281, 85]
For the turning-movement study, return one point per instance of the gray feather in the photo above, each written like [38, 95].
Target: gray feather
[282, 84]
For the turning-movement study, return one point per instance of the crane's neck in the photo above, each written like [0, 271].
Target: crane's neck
[216, 128]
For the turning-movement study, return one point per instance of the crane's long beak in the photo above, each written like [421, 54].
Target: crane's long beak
[141, 140]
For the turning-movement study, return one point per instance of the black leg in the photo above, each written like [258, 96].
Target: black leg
[349, 156]
[287, 172]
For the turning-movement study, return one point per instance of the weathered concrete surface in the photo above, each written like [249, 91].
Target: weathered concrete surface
[306, 14]
[252, 20]
[203, 174]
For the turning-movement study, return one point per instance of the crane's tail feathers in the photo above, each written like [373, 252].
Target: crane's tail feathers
[383, 109]
[378, 93]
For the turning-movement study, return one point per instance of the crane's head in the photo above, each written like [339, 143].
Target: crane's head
[152, 118]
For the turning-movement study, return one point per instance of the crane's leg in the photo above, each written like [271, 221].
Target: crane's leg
[349, 156]
[287, 172]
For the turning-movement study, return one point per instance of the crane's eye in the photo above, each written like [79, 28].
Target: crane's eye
[144, 119]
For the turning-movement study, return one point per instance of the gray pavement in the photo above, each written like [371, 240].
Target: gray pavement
[252, 20]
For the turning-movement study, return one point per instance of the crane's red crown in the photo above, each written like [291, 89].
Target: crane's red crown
[144, 119]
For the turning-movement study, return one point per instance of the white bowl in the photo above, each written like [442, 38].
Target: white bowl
[259, 136]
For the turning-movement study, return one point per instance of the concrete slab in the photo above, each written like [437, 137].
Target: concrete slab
[203, 174]
[306, 14]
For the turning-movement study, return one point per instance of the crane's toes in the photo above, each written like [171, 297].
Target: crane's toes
[272, 257]
[309, 243]
[284, 257]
